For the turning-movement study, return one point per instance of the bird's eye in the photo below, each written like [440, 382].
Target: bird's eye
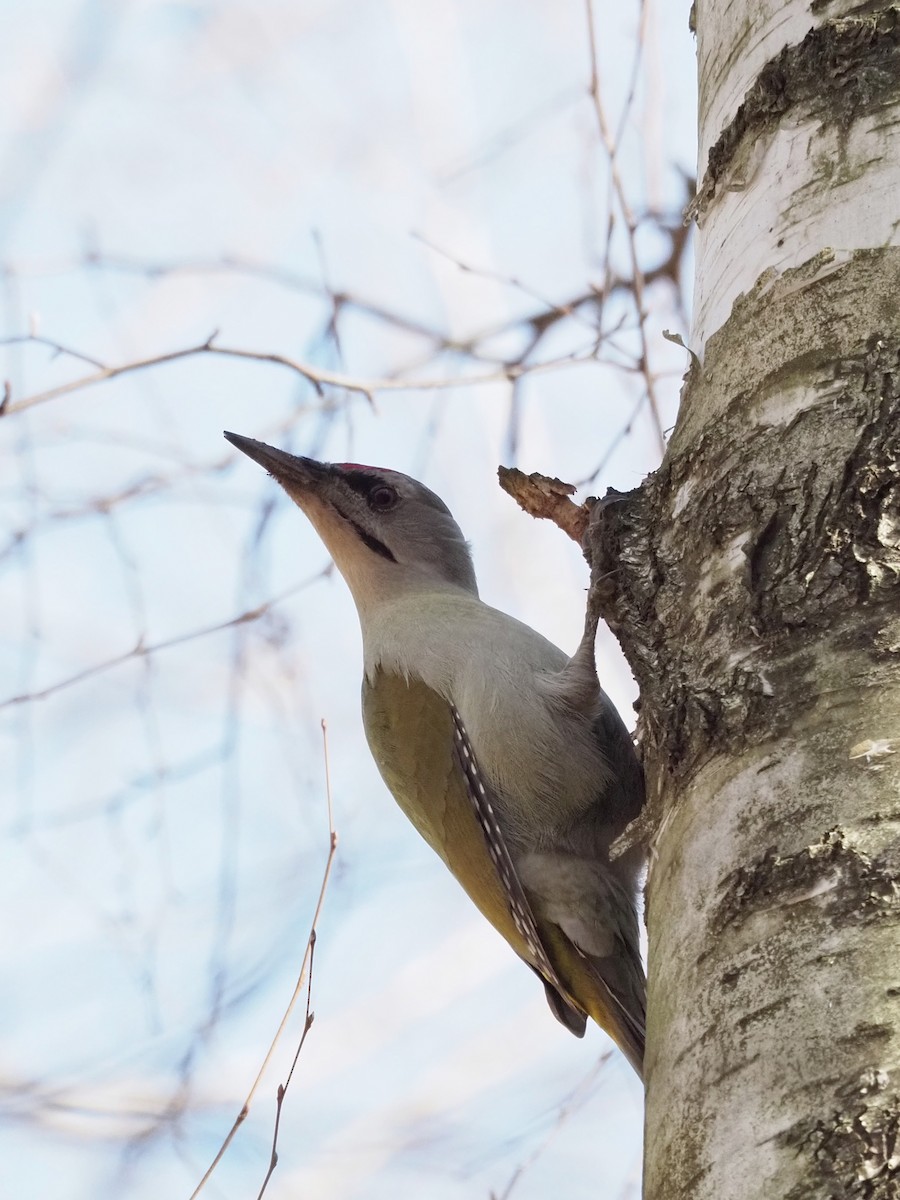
[382, 497]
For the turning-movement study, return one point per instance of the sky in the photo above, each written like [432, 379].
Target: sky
[390, 191]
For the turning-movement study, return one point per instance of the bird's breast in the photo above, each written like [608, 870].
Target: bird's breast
[541, 758]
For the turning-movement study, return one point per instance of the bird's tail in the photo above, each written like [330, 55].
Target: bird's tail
[612, 991]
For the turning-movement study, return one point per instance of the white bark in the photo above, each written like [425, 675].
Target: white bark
[803, 182]
[754, 584]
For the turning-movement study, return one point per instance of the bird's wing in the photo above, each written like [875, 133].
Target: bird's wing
[419, 743]
[424, 755]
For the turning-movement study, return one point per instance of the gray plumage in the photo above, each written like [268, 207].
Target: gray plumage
[503, 751]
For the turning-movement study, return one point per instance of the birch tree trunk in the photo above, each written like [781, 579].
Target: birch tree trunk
[754, 584]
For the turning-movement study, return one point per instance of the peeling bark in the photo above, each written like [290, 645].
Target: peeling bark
[753, 583]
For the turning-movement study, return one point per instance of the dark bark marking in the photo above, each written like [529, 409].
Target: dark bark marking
[855, 1153]
[841, 71]
[868, 1033]
[818, 500]
[759, 1014]
[866, 8]
[832, 874]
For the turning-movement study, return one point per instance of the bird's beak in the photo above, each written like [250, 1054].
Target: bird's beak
[316, 488]
[295, 474]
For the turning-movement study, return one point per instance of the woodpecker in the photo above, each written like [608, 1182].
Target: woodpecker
[504, 753]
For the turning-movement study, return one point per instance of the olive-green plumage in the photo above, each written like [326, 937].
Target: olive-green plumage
[504, 753]
[409, 728]
[410, 733]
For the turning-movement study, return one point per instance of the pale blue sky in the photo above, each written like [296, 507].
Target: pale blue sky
[164, 820]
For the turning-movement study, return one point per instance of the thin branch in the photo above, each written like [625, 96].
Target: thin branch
[281, 276]
[541, 496]
[142, 651]
[318, 377]
[537, 323]
[511, 135]
[551, 310]
[58, 348]
[307, 1026]
[637, 276]
[614, 443]
[576, 1100]
[298, 988]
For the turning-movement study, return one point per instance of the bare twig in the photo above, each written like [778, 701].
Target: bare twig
[305, 966]
[283, 1087]
[576, 1100]
[269, 272]
[613, 445]
[637, 276]
[554, 311]
[318, 377]
[143, 651]
[541, 496]
[59, 350]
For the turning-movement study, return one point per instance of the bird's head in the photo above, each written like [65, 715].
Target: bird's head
[386, 532]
